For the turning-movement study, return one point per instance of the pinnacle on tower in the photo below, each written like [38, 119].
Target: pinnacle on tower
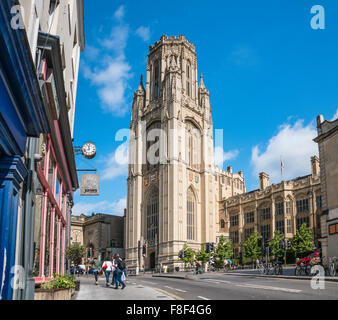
[202, 86]
[140, 89]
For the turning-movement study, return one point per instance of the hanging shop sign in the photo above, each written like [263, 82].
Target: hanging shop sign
[90, 185]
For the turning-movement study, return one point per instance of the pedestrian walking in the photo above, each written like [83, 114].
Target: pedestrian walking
[125, 270]
[107, 268]
[96, 265]
[119, 271]
[115, 271]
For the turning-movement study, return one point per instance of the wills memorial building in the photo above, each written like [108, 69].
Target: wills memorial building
[174, 199]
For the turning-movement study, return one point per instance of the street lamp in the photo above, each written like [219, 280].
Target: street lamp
[310, 193]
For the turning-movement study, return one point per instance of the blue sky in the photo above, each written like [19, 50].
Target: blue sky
[268, 72]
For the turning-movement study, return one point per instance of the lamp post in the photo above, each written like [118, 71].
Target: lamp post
[310, 193]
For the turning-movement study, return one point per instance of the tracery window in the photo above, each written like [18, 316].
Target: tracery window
[191, 213]
[152, 214]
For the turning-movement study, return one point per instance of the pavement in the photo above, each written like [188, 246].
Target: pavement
[133, 291]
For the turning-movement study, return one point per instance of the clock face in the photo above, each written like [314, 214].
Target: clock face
[89, 150]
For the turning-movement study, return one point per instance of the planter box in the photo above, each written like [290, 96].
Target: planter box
[53, 294]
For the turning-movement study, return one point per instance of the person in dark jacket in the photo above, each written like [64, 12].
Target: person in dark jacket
[119, 270]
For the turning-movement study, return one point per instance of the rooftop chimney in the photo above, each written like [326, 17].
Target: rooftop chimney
[263, 180]
[315, 166]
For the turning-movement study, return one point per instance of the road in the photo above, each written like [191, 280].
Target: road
[220, 286]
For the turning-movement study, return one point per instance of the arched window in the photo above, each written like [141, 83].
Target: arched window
[191, 215]
[156, 79]
[152, 214]
[153, 146]
[188, 79]
[222, 224]
[193, 145]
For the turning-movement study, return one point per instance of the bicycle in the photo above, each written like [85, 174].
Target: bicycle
[261, 268]
[301, 269]
[264, 268]
[332, 267]
[277, 268]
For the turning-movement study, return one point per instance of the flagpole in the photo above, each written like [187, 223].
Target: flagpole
[281, 167]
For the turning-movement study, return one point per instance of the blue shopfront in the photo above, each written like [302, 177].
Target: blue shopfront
[21, 117]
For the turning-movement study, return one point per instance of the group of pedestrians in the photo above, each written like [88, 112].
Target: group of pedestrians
[115, 267]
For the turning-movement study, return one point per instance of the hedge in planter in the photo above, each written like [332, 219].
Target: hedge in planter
[60, 288]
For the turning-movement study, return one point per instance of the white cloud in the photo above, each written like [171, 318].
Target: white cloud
[144, 33]
[116, 207]
[119, 13]
[335, 116]
[116, 164]
[112, 83]
[221, 156]
[294, 144]
[118, 39]
[112, 72]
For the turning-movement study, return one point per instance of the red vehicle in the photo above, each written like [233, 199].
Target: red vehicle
[314, 257]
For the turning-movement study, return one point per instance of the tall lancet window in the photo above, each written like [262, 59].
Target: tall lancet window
[156, 79]
[193, 146]
[191, 210]
[152, 215]
[188, 79]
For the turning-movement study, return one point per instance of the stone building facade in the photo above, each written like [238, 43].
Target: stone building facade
[328, 152]
[173, 201]
[41, 42]
[284, 206]
[101, 234]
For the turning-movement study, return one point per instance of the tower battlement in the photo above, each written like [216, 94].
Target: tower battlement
[172, 40]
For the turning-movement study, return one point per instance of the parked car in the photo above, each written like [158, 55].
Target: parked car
[312, 259]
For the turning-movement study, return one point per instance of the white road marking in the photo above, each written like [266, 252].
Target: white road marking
[169, 287]
[210, 281]
[203, 298]
[268, 288]
[180, 290]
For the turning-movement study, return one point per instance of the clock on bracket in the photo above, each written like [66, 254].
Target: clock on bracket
[89, 150]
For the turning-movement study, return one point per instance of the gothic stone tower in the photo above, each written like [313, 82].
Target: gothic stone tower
[173, 201]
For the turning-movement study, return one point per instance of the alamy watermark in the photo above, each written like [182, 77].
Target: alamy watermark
[318, 20]
[17, 21]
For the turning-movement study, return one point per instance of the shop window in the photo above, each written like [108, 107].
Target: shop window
[47, 239]
[37, 235]
[50, 171]
[55, 243]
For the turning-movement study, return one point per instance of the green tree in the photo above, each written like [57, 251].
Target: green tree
[75, 253]
[223, 251]
[202, 255]
[250, 246]
[274, 243]
[302, 242]
[189, 256]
